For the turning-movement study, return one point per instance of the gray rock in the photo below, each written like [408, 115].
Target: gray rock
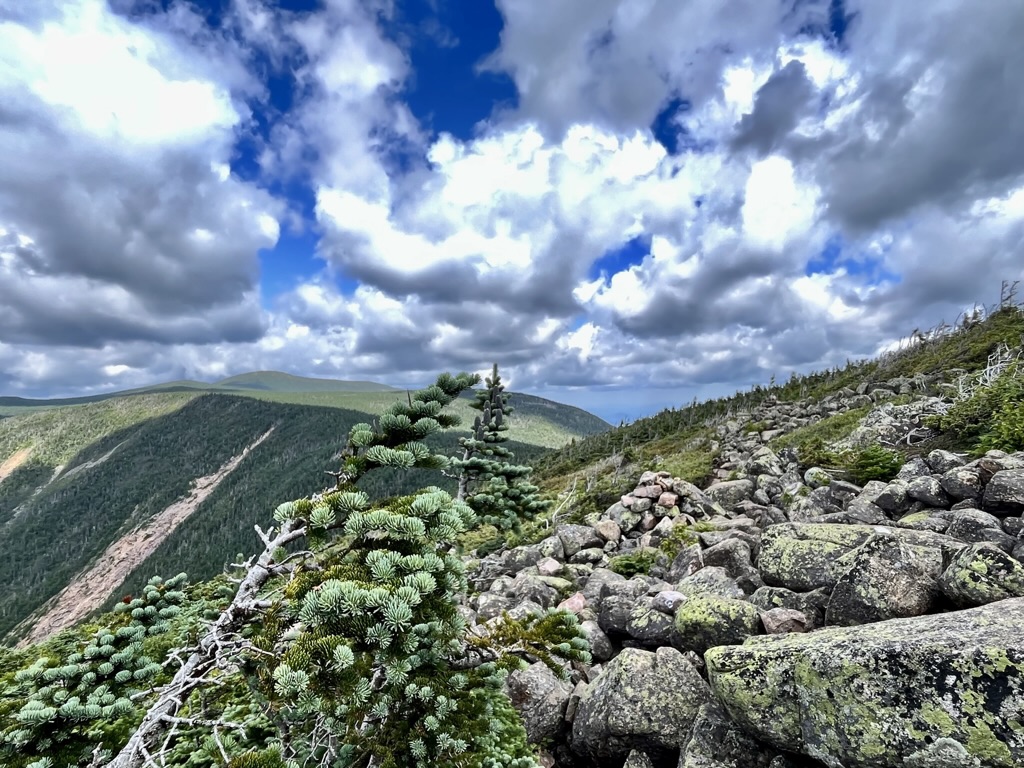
[490, 605]
[614, 614]
[641, 700]
[734, 555]
[638, 759]
[962, 483]
[923, 521]
[713, 580]
[668, 600]
[551, 547]
[649, 626]
[884, 581]
[777, 621]
[973, 526]
[577, 537]
[805, 556]
[877, 695]
[941, 462]
[593, 588]
[717, 742]
[705, 621]
[540, 699]
[601, 648]
[928, 490]
[916, 467]
[816, 477]
[980, 574]
[731, 492]
[894, 499]
[810, 604]
[1005, 492]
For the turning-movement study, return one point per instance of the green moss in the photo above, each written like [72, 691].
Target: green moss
[633, 563]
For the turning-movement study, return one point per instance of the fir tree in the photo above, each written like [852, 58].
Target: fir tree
[63, 709]
[499, 491]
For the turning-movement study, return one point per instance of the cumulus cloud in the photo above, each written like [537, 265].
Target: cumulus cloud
[824, 197]
[118, 220]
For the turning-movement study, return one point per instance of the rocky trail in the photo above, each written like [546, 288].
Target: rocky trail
[786, 617]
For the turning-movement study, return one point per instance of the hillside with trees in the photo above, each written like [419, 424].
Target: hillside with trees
[826, 572]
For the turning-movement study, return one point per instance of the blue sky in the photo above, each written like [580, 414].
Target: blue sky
[625, 203]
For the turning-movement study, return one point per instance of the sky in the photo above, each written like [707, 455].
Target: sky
[625, 203]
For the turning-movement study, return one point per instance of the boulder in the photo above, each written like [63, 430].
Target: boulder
[540, 699]
[884, 580]
[980, 574]
[810, 604]
[713, 580]
[806, 556]
[649, 626]
[1005, 492]
[928, 490]
[962, 483]
[731, 492]
[642, 700]
[705, 621]
[717, 742]
[577, 537]
[777, 621]
[879, 695]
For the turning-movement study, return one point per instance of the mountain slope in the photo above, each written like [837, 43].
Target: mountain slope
[77, 479]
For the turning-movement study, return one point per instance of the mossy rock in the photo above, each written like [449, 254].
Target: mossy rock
[704, 621]
[806, 556]
[880, 694]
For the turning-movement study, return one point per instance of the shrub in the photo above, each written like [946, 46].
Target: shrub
[633, 563]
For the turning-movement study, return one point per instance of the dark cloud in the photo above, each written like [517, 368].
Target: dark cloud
[778, 107]
[942, 117]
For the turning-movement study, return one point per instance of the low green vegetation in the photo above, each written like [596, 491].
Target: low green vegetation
[992, 417]
[634, 563]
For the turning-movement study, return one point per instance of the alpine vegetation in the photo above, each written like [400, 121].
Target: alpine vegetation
[344, 644]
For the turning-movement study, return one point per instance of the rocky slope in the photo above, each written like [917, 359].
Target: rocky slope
[785, 617]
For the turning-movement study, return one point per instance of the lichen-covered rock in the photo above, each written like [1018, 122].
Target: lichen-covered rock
[806, 556]
[816, 477]
[713, 580]
[717, 742]
[540, 699]
[962, 483]
[705, 621]
[980, 574]
[577, 537]
[642, 700]
[929, 490]
[649, 626]
[884, 580]
[731, 492]
[1005, 491]
[877, 695]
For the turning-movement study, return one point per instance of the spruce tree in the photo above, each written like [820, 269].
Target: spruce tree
[499, 491]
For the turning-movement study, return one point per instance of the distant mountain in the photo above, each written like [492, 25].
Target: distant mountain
[275, 381]
[263, 381]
